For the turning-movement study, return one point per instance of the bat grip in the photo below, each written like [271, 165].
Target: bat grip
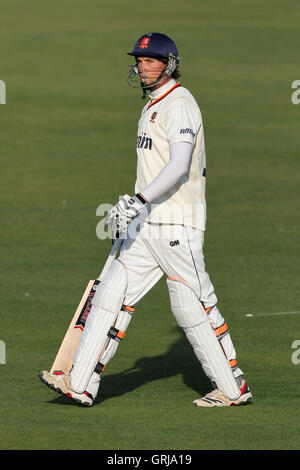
[111, 257]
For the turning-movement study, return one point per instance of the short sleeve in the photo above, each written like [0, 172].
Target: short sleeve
[183, 121]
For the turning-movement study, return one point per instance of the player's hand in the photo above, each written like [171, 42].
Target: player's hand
[120, 216]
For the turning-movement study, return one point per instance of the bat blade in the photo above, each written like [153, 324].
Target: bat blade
[64, 358]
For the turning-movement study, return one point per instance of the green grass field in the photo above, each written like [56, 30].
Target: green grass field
[67, 145]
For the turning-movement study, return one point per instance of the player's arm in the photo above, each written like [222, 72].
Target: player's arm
[172, 173]
[120, 216]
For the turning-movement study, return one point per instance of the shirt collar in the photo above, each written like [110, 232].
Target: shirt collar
[154, 95]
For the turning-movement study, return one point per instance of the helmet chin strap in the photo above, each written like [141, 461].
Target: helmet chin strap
[144, 92]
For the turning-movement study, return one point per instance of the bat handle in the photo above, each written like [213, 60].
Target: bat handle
[111, 257]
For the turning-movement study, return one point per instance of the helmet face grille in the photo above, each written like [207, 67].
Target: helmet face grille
[172, 65]
[140, 77]
[133, 78]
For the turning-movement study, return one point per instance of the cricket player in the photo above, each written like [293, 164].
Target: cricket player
[163, 227]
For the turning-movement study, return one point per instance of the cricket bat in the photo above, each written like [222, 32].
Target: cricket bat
[64, 358]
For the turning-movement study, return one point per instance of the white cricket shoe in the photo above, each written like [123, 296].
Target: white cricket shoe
[217, 398]
[61, 384]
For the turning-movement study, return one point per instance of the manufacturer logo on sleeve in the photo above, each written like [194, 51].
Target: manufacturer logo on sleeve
[188, 131]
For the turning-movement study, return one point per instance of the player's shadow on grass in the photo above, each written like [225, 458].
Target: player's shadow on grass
[179, 359]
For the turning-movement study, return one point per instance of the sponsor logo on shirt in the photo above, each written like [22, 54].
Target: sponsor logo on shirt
[143, 142]
[188, 131]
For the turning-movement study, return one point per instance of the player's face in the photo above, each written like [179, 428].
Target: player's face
[150, 69]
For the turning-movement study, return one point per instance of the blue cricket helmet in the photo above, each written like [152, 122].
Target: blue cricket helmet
[156, 45]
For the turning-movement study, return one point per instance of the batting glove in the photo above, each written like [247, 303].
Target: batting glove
[120, 216]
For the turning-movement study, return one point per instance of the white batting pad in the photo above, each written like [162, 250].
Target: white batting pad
[106, 306]
[121, 324]
[191, 316]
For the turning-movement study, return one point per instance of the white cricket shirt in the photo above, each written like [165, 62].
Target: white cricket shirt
[172, 116]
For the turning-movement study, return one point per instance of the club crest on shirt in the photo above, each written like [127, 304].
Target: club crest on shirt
[153, 117]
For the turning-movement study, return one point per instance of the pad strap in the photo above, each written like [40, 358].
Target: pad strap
[116, 334]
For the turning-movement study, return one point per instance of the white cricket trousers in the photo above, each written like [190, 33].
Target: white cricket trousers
[177, 252]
